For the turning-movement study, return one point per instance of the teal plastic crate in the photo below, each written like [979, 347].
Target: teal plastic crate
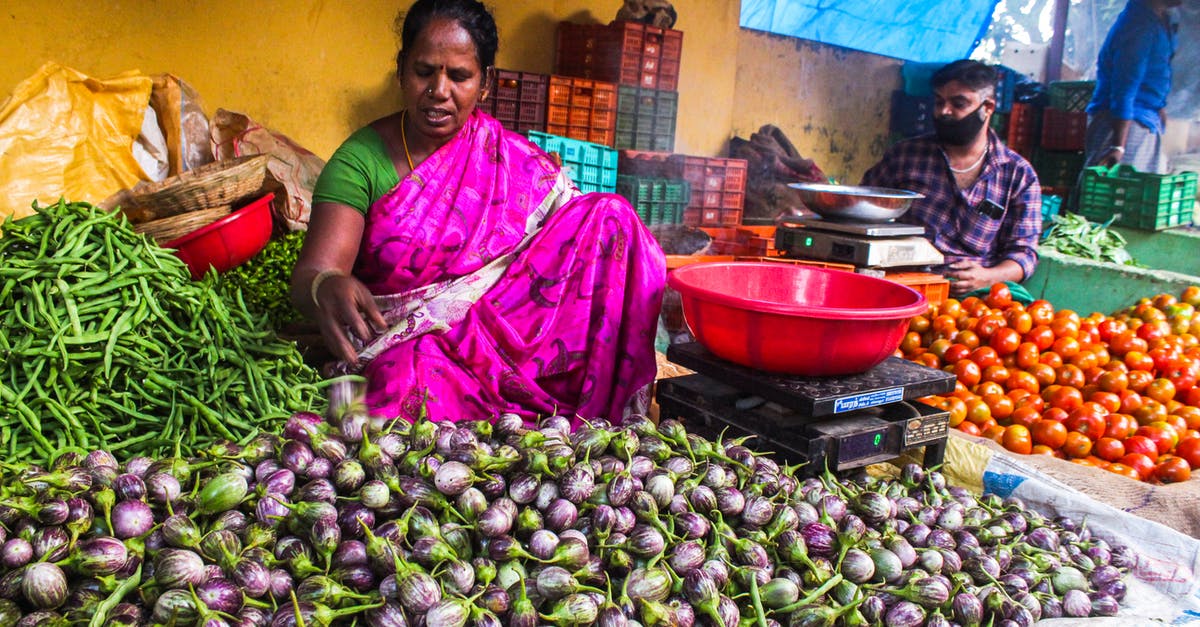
[1050, 207]
[592, 167]
[656, 200]
[1139, 200]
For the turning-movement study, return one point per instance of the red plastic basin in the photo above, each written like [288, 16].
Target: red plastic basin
[795, 319]
[228, 242]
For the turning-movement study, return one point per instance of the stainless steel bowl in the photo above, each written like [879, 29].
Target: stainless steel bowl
[855, 203]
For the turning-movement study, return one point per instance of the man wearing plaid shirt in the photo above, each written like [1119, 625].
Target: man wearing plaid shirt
[983, 203]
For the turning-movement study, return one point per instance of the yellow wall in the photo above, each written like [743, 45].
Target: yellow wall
[832, 103]
[316, 70]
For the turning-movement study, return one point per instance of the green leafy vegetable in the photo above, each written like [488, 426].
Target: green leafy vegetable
[1073, 234]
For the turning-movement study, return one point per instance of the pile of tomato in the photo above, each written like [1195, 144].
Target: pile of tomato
[1116, 392]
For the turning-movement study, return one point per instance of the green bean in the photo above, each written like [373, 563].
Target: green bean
[113, 339]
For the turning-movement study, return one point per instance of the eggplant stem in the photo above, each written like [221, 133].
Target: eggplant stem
[816, 594]
[760, 618]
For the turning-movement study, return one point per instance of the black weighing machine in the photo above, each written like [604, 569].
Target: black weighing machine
[839, 423]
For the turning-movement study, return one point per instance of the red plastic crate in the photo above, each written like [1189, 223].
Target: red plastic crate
[582, 109]
[1063, 130]
[627, 53]
[518, 100]
[1024, 128]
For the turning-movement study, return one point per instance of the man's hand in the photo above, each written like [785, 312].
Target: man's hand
[1113, 156]
[968, 276]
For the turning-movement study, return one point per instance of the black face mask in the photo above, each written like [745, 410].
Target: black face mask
[959, 132]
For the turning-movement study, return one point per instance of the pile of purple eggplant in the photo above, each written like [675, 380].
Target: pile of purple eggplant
[353, 521]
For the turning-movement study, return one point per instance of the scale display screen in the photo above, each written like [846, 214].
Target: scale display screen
[860, 445]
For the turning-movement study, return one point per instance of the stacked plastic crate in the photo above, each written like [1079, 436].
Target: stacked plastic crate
[643, 62]
[518, 100]
[1058, 158]
[717, 186]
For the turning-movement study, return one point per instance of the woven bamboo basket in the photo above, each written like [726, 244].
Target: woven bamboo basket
[164, 230]
[217, 184]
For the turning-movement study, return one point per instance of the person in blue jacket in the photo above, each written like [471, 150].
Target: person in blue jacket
[1127, 113]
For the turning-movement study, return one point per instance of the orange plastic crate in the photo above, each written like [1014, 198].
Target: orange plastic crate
[1024, 128]
[582, 109]
[935, 287]
[801, 262]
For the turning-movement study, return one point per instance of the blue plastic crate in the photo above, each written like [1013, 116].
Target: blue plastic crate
[1006, 86]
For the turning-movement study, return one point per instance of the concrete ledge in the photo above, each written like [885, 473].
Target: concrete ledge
[1086, 286]
[1177, 250]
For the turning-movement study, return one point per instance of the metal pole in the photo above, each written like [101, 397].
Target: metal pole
[1054, 55]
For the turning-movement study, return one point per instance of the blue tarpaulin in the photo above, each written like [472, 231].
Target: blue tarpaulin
[925, 31]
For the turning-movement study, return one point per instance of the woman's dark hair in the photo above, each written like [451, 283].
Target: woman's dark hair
[470, 14]
[977, 76]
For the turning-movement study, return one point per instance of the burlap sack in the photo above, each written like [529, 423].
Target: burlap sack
[1175, 505]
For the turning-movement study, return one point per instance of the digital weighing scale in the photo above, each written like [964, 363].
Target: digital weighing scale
[862, 244]
[839, 423]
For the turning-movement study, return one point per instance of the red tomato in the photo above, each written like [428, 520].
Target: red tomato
[999, 296]
[1172, 470]
[985, 356]
[1050, 433]
[967, 372]
[1017, 439]
[1077, 445]
[1128, 472]
[1143, 464]
[1120, 426]
[1163, 436]
[1088, 419]
[1142, 445]
[1109, 449]
[1041, 336]
[1189, 450]
[1005, 341]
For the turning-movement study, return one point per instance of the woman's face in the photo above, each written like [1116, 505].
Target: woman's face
[441, 80]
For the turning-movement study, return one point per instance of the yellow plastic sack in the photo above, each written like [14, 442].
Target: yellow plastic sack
[65, 134]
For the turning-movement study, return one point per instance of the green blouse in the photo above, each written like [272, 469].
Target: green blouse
[359, 173]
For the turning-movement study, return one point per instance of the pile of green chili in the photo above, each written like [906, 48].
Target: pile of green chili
[106, 342]
[264, 280]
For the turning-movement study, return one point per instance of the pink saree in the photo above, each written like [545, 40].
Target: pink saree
[505, 289]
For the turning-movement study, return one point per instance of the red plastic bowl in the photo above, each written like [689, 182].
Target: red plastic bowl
[228, 242]
[795, 319]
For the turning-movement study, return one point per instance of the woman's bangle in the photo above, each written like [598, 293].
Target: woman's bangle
[1121, 148]
[319, 279]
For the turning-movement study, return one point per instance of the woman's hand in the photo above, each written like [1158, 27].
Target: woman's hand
[345, 305]
[323, 287]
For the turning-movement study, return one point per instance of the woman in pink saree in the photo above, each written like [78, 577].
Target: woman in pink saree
[453, 264]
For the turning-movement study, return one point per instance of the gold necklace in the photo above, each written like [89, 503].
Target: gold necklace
[404, 140]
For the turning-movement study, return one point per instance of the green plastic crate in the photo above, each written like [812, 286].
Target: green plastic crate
[1056, 168]
[592, 167]
[656, 200]
[1070, 95]
[645, 118]
[1139, 200]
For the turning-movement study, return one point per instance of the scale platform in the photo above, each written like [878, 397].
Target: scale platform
[838, 423]
[872, 245]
